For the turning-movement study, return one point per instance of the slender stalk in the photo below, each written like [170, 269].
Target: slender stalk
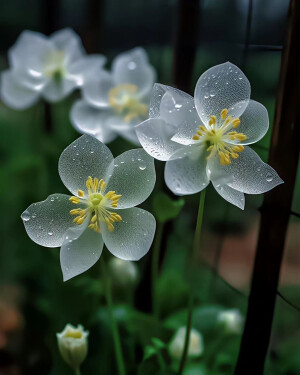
[155, 267]
[196, 246]
[114, 326]
[77, 371]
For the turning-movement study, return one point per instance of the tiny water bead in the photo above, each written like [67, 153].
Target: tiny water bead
[218, 134]
[123, 100]
[97, 205]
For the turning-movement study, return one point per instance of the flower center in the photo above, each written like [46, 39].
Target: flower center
[74, 334]
[122, 99]
[218, 134]
[98, 205]
[55, 65]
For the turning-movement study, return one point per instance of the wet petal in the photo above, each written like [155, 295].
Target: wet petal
[55, 91]
[46, 222]
[232, 196]
[155, 136]
[248, 173]
[86, 68]
[93, 121]
[254, 123]
[29, 51]
[67, 40]
[133, 177]
[187, 174]
[132, 237]
[15, 95]
[133, 67]
[81, 249]
[96, 90]
[85, 157]
[221, 86]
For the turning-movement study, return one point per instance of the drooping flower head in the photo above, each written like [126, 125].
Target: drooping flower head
[49, 67]
[114, 102]
[101, 210]
[205, 138]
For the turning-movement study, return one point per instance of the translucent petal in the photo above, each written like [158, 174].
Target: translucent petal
[123, 128]
[85, 157]
[46, 222]
[248, 173]
[67, 40]
[221, 87]
[232, 196]
[15, 95]
[29, 51]
[187, 173]
[133, 67]
[178, 108]
[254, 123]
[133, 177]
[92, 121]
[132, 237]
[55, 91]
[86, 68]
[80, 251]
[155, 137]
[95, 91]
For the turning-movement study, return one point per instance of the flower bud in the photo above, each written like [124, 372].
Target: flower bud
[73, 345]
[195, 348]
[123, 272]
[231, 320]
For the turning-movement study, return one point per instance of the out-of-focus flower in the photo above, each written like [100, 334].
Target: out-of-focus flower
[196, 345]
[123, 272]
[102, 208]
[231, 320]
[49, 67]
[114, 102]
[73, 345]
[205, 138]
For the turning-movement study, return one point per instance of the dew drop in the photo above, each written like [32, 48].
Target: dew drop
[50, 233]
[142, 167]
[25, 216]
[269, 177]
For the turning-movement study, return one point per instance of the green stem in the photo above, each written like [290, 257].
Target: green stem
[155, 268]
[114, 326]
[77, 371]
[196, 247]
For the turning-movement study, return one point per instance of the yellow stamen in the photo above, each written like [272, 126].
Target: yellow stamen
[224, 113]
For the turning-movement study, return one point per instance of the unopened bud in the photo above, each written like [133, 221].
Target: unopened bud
[231, 320]
[73, 345]
[195, 348]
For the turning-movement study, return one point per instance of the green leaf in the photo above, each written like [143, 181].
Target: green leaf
[166, 208]
[158, 343]
[149, 352]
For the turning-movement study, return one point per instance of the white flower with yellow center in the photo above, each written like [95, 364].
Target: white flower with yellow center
[101, 210]
[205, 138]
[49, 67]
[114, 102]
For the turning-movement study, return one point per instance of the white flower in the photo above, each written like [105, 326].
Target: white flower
[102, 208]
[114, 102]
[49, 67]
[196, 345]
[73, 345]
[232, 320]
[205, 138]
[123, 272]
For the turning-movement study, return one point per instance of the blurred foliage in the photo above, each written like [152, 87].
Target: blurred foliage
[28, 173]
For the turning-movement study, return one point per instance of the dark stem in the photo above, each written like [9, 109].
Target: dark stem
[275, 213]
[155, 267]
[186, 43]
[187, 335]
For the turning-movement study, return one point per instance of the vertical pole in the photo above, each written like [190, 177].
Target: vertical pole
[284, 153]
[185, 43]
[93, 25]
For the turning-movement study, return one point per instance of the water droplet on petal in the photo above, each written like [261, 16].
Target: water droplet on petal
[25, 216]
[50, 233]
[269, 177]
